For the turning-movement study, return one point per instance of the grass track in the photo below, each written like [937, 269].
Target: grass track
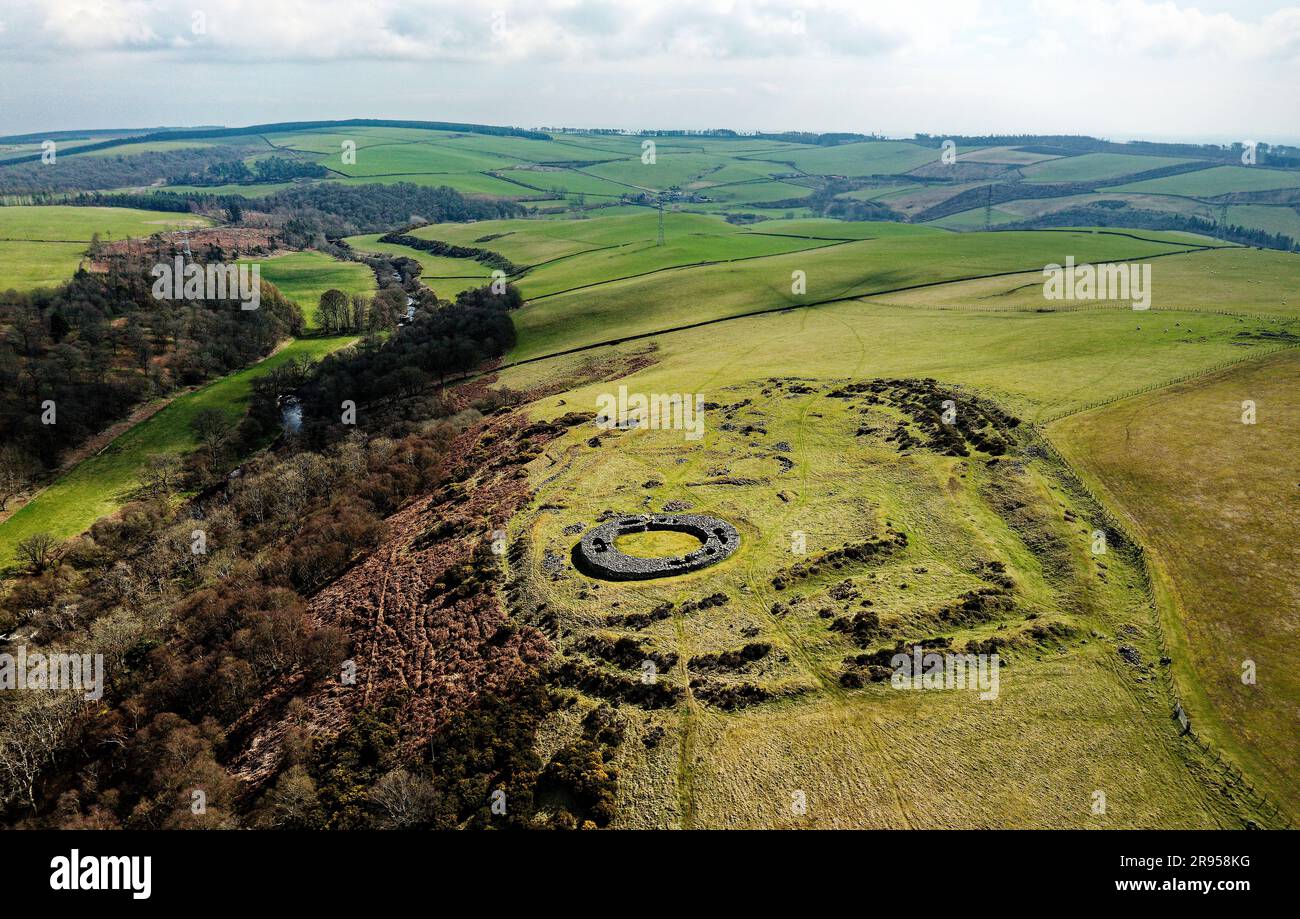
[103, 483]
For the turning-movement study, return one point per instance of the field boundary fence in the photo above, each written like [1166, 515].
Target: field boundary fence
[1164, 384]
[1178, 711]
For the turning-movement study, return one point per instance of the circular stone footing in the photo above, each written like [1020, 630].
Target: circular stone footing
[597, 556]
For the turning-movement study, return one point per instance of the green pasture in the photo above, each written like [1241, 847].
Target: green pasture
[1070, 717]
[66, 223]
[1091, 167]
[304, 276]
[103, 483]
[41, 246]
[1252, 282]
[857, 159]
[691, 295]
[1219, 180]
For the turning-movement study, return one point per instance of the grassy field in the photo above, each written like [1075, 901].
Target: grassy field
[571, 255]
[859, 159]
[1008, 155]
[691, 295]
[41, 246]
[1220, 180]
[744, 193]
[975, 219]
[564, 181]
[531, 242]
[106, 481]
[1095, 166]
[489, 150]
[1217, 500]
[726, 175]
[304, 276]
[1236, 280]
[13, 151]
[247, 191]
[28, 265]
[682, 170]
[411, 158]
[1027, 208]
[62, 223]
[645, 256]
[599, 166]
[1043, 364]
[781, 458]
[331, 141]
[155, 146]
[562, 256]
[1284, 220]
[737, 170]
[471, 183]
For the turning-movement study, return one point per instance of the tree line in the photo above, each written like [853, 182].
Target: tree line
[438, 247]
[192, 640]
[1105, 214]
[75, 358]
[441, 343]
[238, 172]
[77, 173]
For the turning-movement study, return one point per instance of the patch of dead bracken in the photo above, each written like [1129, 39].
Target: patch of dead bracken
[230, 242]
[422, 611]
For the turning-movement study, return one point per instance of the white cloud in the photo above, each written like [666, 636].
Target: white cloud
[627, 30]
[1169, 30]
[80, 25]
[330, 30]
[973, 66]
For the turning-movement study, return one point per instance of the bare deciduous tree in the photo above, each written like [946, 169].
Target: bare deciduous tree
[17, 472]
[292, 802]
[403, 799]
[39, 551]
[162, 473]
[213, 428]
[33, 733]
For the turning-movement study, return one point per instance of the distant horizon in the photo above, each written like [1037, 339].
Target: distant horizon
[1204, 139]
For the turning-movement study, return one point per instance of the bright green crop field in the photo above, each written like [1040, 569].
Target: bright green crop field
[61, 223]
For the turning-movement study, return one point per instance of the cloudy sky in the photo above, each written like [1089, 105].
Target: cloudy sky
[1213, 70]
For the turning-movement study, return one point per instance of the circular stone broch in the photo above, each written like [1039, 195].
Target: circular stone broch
[597, 556]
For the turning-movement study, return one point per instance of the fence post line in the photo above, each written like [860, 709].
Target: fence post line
[1146, 571]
